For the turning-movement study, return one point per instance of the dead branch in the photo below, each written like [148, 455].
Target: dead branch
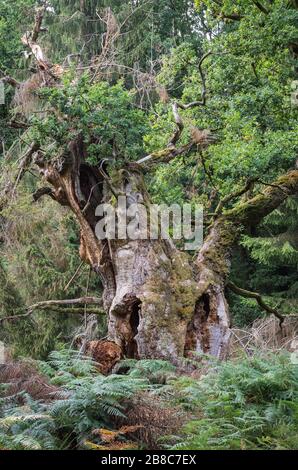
[64, 310]
[29, 39]
[108, 42]
[255, 295]
[18, 124]
[74, 276]
[168, 154]
[46, 191]
[205, 134]
[180, 126]
[78, 310]
[79, 300]
[203, 137]
[56, 306]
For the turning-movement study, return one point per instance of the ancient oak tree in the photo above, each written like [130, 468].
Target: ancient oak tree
[160, 302]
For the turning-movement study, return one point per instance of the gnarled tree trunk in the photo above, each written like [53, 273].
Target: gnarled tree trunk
[159, 304]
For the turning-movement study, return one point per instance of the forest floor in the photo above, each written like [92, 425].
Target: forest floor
[247, 402]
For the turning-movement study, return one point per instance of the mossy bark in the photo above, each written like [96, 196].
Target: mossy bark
[159, 304]
[209, 331]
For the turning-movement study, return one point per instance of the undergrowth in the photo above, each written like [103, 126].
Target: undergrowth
[250, 403]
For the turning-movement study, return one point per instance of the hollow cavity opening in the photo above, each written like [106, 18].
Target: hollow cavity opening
[132, 347]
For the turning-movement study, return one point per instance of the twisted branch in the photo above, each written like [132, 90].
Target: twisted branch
[255, 295]
[193, 104]
[166, 155]
[45, 191]
[234, 195]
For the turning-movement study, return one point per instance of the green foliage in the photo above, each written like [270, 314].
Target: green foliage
[39, 257]
[66, 364]
[248, 404]
[147, 28]
[88, 401]
[251, 404]
[156, 371]
[248, 83]
[13, 16]
[103, 114]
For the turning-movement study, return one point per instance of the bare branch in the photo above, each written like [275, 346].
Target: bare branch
[168, 154]
[38, 22]
[56, 306]
[204, 92]
[108, 42]
[74, 276]
[29, 39]
[163, 156]
[10, 80]
[180, 126]
[255, 295]
[78, 310]
[260, 7]
[78, 301]
[46, 191]
[177, 118]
